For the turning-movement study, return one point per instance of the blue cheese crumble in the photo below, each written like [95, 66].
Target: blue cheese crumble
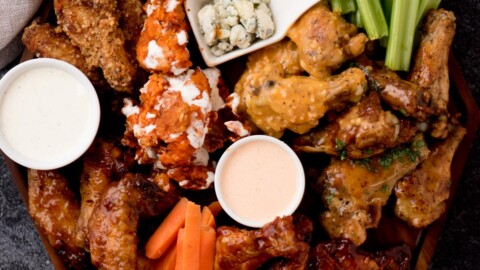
[230, 24]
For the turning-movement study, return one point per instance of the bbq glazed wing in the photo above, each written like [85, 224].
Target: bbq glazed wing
[430, 69]
[342, 254]
[93, 27]
[354, 191]
[162, 45]
[102, 163]
[421, 196]
[361, 132]
[325, 40]
[112, 229]
[282, 239]
[44, 40]
[55, 210]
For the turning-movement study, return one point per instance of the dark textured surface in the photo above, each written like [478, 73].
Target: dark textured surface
[459, 243]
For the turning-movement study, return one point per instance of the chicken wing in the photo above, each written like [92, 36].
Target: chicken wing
[163, 41]
[44, 40]
[325, 40]
[354, 191]
[430, 69]
[361, 132]
[342, 254]
[55, 210]
[243, 249]
[112, 228]
[421, 196]
[103, 163]
[93, 27]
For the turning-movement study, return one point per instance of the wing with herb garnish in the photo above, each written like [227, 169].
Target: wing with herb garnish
[354, 191]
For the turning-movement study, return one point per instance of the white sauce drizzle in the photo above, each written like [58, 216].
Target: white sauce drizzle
[201, 157]
[171, 5]
[213, 75]
[237, 128]
[155, 52]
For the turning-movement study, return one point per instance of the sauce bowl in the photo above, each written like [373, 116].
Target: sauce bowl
[259, 178]
[49, 113]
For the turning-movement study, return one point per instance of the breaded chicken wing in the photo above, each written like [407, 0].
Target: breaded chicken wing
[93, 27]
[421, 196]
[55, 210]
[361, 132]
[430, 69]
[354, 191]
[44, 40]
[325, 40]
[112, 228]
[163, 41]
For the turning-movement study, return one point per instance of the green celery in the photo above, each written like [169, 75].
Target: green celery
[373, 18]
[424, 7]
[387, 9]
[343, 6]
[356, 18]
[402, 32]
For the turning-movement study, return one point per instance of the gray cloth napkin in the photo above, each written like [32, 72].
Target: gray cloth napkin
[14, 16]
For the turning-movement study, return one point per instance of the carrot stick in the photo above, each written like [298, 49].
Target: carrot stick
[191, 241]
[207, 217]
[208, 238]
[165, 235]
[180, 249]
[215, 207]
[167, 261]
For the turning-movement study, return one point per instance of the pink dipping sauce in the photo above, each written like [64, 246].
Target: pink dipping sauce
[259, 178]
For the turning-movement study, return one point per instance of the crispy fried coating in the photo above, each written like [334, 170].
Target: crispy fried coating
[44, 40]
[343, 254]
[93, 27]
[354, 191]
[430, 68]
[102, 163]
[325, 40]
[362, 131]
[243, 249]
[112, 228]
[55, 210]
[421, 196]
[162, 45]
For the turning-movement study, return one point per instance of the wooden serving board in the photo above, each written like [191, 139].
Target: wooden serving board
[391, 229]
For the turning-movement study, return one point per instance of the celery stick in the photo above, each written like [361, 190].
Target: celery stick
[373, 18]
[387, 9]
[343, 6]
[424, 7]
[402, 32]
[356, 18]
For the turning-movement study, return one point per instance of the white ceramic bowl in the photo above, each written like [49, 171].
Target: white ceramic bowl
[284, 12]
[68, 153]
[299, 181]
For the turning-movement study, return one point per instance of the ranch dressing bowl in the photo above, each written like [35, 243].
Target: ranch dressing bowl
[49, 113]
[259, 178]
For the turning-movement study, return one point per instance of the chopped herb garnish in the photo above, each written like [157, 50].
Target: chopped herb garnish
[418, 144]
[386, 160]
[328, 198]
[339, 144]
[402, 111]
[369, 151]
[343, 155]
[384, 188]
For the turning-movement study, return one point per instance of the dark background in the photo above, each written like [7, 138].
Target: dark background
[459, 243]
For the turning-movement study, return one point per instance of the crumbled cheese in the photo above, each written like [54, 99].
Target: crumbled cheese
[158, 164]
[233, 101]
[171, 5]
[155, 52]
[150, 128]
[220, 24]
[173, 136]
[237, 128]
[150, 115]
[150, 9]
[129, 109]
[183, 183]
[182, 37]
[151, 153]
[213, 74]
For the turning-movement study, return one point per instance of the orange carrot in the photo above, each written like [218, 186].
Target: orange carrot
[180, 249]
[165, 235]
[207, 217]
[215, 207]
[208, 238]
[167, 261]
[191, 242]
